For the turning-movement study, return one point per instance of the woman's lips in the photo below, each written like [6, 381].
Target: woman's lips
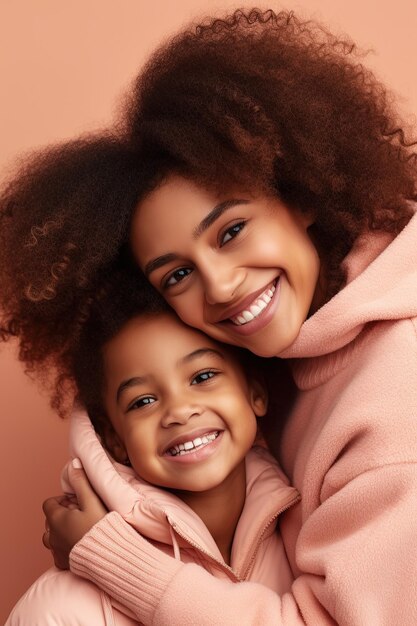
[255, 309]
[263, 316]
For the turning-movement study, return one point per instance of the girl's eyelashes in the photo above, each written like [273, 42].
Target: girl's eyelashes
[231, 232]
[140, 403]
[204, 376]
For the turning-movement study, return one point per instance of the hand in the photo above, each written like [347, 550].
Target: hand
[69, 519]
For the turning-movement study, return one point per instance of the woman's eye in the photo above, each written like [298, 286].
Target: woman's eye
[202, 377]
[139, 403]
[177, 276]
[232, 232]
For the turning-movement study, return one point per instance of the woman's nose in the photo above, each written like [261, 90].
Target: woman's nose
[221, 282]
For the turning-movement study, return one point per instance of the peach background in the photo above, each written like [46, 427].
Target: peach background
[62, 67]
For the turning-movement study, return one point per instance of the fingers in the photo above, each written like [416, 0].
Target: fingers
[85, 494]
[49, 506]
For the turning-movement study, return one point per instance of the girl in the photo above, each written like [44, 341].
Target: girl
[263, 183]
[181, 411]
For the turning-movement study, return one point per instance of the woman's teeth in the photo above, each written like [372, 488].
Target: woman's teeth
[191, 446]
[255, 309]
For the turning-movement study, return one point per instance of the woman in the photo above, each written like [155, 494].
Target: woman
[265, 187]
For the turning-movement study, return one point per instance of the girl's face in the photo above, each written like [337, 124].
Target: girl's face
[241, 268]
[180, 404]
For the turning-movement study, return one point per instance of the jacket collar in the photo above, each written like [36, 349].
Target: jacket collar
[154, 512]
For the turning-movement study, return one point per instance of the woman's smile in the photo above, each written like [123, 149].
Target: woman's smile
[241, 268]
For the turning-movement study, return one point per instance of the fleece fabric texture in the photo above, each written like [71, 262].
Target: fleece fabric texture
[349, 447]
[61, 598]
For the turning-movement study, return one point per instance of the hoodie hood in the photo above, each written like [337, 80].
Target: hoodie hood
[381, 285]
[155, 512]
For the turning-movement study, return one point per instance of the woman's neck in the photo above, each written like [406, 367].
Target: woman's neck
[220, 508]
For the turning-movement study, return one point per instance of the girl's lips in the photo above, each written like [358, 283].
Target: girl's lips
[188, 436]
[198, 454]
[262, 320]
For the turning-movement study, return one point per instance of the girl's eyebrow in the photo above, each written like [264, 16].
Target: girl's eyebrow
[131, 382]
[205, 223]
[198, 353]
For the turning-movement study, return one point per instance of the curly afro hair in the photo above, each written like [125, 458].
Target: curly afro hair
[265, 101]
[257, 99]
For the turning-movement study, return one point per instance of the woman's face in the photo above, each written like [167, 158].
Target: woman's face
[241, 268]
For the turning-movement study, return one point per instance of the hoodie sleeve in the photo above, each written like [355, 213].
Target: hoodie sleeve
[160, 590]
[358, 556]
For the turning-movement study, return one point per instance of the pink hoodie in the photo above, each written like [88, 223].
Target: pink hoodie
[350, 448]
[60, 598]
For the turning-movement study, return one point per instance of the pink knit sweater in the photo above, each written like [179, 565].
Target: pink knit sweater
[350, 448]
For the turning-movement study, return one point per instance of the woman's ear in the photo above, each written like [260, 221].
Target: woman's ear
[113, 444]
[258, 397]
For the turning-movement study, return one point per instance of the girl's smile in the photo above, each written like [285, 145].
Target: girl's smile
[241, 268]
[196, 450]
[181, 406]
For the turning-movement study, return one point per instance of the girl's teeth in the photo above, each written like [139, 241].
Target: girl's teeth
[255, 309]
[187, 446]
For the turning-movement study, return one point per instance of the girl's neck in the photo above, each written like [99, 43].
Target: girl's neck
[220, 508]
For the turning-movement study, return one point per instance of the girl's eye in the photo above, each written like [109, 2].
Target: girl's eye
[202, 377]
[232, 232]
[177, 276]
[139, 403]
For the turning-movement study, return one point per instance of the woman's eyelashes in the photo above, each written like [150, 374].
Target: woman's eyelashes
[178, 275]
[231, 232]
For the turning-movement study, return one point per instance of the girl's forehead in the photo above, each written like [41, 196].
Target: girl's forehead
[162, 334]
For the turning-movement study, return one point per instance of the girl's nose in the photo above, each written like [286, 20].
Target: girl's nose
[221, 282]
[179, 413]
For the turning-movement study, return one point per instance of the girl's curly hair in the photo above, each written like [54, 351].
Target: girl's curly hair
[261, 100]
[123, 294]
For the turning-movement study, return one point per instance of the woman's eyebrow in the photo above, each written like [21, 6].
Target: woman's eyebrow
[214, 215]
[205, 223]
[155, 264]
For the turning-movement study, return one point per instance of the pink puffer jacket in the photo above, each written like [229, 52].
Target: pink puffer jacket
[61, 598]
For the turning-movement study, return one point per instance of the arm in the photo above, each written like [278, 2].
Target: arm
[154, 587]
[350, 574]
[357, 553]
